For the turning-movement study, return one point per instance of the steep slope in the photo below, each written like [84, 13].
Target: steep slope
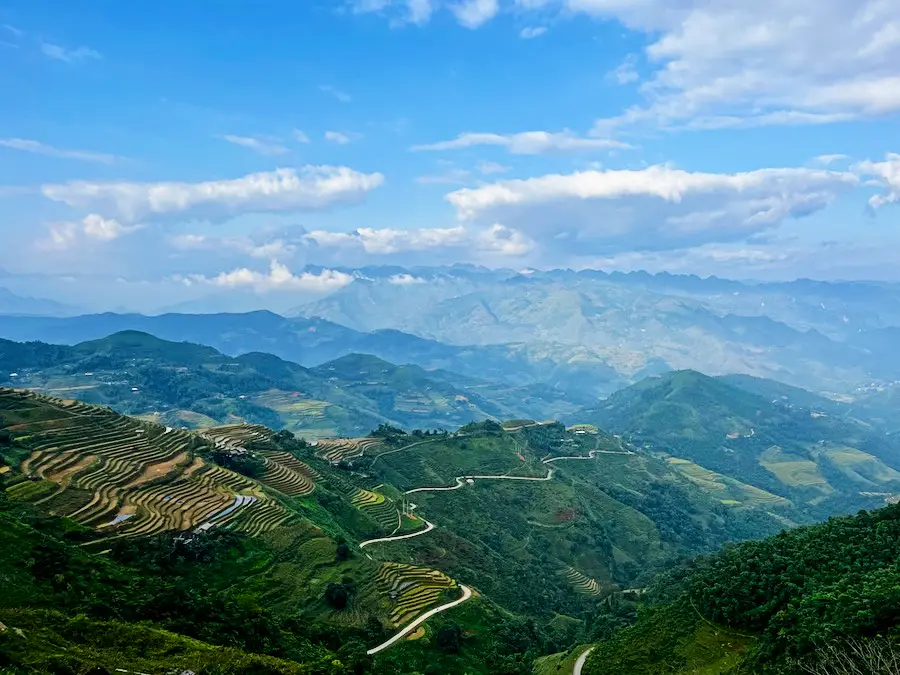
[237, 536]
[747, 609]
[716, 433]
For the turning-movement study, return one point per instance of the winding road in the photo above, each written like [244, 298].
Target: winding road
[418, 533]
[410, 627]
[579, 664]
[467, 592]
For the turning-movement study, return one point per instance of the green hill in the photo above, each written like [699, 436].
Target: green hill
[184, 384]
[820, 599]
[754, 449]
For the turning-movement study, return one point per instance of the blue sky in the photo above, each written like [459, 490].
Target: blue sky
[203, 146]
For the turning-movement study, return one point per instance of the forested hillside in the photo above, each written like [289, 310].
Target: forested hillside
[817, 599]
[184, 384]
[518, 535]
[815, 459]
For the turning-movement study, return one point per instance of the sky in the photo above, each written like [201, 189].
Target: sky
[183, 148]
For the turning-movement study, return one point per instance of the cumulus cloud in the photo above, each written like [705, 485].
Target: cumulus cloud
[886, 174]
[264, 145]
[311, 188]
[342, 137]
[38, 148]
[526, 143]
[474, 13]
[77, 55]
[654, 208]
[278, 277]
[734, 64]
[68, 234]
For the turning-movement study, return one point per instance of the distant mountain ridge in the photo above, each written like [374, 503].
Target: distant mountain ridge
[793, 444]
[138, 373]
[13, 304]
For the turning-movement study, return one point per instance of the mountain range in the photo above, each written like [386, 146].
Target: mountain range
[587, 332]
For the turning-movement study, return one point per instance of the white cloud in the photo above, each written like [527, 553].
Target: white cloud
[475, 13]
[38, 148]
[67, 234]
[389, 240]
[12, 29]
[300, 136]
[311, 188]
[339, 94]
[526, 143]
[625, 72]
[342, 137]
[887, 174]
[531, 32]
[278, 278]
[827, 160]
[405, 280]
[105, 229]
[69, 55]
[262, 145]
[759, 63]
[504, 240]
[468, 243]
[489, 168]
[654, 208]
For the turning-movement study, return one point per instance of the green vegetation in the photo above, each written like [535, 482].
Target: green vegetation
[765, 606]
[182, 384]
[758, 451]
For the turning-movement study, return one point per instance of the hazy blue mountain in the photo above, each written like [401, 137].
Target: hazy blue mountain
[13, 304]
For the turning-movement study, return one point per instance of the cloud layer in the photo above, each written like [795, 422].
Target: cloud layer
[311, 188]
[657, 207]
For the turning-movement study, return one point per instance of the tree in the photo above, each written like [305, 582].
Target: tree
[336, 595]
[449, 638]
[5, 438]
[343, 552]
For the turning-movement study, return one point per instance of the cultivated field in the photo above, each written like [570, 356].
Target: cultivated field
[412, 590]
[125, 477]
[581, 582]
[336, 449]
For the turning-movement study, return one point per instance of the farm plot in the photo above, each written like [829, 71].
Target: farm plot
[235, 435]
[285, 478]
[412, 590]
[134, 478]
[336, 449]
[582, 583]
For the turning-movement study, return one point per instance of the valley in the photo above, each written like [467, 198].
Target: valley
[332, 506]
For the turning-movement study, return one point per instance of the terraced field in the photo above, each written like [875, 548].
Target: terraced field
[125, 477]
[336, 449]
[235, 435]
[582, 583]
[727, 490]
[412, 590]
